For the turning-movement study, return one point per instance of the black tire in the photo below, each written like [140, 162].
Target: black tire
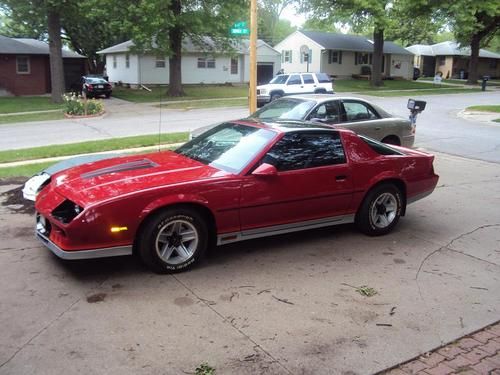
[150, 241]
[369, 217]
[392, 140]
[275, 95]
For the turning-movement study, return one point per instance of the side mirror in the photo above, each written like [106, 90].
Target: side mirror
[265, 170]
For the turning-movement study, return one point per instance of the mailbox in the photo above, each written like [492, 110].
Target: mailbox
[416, 105]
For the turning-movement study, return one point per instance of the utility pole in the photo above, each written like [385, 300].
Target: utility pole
[252, 97]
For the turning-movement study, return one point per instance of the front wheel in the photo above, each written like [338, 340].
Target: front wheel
[380, 211]
[173, 240]
[275, 95]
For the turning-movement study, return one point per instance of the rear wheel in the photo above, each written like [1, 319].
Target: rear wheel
[380, 211]
[392, 140]
[173, 240]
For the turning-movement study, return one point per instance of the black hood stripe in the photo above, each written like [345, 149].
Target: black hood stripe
[130, 166]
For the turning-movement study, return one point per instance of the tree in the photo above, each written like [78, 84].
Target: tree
[358, 13]
[474, 24]
[160, 27]
[320, 24]
[269, 20]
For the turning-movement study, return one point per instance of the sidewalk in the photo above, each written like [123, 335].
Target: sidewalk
[475, 354]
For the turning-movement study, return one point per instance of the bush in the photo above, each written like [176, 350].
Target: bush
[76, 106]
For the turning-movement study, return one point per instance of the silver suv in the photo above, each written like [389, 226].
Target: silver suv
[294, 83]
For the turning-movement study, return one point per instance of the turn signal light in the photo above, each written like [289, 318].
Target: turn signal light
[118, 229]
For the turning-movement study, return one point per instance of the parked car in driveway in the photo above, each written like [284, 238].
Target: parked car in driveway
[294, 83]
[93, 87]
[356, 114]
[238, 181]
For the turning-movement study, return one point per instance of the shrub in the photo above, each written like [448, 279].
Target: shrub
[77, 106]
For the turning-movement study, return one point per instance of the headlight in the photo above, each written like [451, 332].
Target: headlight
[263, 91]
[66, 211]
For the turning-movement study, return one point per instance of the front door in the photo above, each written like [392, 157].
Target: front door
[313, 182]
[361, 118]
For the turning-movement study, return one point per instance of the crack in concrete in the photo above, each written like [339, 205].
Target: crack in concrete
[96, 129]
[448, 247]
[225, 320]
[48, 325]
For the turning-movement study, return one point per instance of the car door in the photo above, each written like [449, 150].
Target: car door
[361, 118]
[309, 84]
[313, 182]
[294, 85]
[326, 113]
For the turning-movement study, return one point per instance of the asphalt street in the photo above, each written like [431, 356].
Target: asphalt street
[439, 128]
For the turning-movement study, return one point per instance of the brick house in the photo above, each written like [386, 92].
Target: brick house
[25, 68]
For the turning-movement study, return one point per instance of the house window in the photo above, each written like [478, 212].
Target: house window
[286, 56]
[114, 62]
[23, 65]
[442, 60]
[206, 62]
[334, 57]
[234, 65]
[493, 63]
[303, 59]
[127, 60]
[363, 58]
[160, 62]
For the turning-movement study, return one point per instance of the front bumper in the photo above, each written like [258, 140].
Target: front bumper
[81, 254]
[263, 98]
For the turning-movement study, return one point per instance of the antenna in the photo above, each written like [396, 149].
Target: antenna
[159, 125]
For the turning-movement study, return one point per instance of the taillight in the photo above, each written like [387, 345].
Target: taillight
[90, 87]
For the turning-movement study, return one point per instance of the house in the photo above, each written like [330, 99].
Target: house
[340, 55]
[25, 67]
[199, 64]
[452, 60]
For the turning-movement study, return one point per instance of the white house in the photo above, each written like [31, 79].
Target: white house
[199, 65]
[340, 55]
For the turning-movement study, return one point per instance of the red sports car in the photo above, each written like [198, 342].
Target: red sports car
[238, 181]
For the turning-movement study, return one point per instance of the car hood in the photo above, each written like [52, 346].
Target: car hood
[105, 179]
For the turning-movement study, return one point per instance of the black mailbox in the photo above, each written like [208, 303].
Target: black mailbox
[416, 105]
[486, 78]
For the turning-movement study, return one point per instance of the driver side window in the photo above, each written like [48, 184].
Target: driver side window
[357, 111]
[327, 113]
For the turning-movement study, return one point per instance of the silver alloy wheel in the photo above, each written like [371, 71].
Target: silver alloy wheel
[383, 210]
[176, 241]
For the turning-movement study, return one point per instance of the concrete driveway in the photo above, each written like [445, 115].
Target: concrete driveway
[282, 305]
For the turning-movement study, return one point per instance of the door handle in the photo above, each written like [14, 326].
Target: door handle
[341, 177]
[301, 87]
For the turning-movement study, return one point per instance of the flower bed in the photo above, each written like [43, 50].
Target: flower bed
[76, 106]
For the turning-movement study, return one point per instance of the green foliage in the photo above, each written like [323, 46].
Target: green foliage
[271, 28]
[320, 24]
[204, 369]
[77, 106]
[484, 108]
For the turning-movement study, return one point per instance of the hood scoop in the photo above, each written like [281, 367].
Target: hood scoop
[130, 166]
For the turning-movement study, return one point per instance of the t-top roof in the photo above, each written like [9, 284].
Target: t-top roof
[349, 42]
[28, 46]
[449, 48]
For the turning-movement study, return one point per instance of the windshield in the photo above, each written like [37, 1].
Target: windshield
[285, 109]
[95, 80]
[279, 79]
[228, 146]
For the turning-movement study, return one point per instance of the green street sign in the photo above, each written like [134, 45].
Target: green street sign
[239, 28]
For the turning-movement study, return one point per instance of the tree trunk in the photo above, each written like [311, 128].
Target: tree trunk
[56, 61]
[474, 59]
[175, 60]
[378, 52]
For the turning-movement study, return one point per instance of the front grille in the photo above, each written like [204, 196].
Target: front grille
[43, 225]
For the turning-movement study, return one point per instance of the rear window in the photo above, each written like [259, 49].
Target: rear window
[323, 78]
[380, 148]
[279, 79]
[95, 80]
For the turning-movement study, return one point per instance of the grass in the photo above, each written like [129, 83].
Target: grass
[192, 92]
[484, 108]
[440, 91]
[461, 81]
[13, 104]
[89, 147]
[24, 170]
[497, 120]
[355, 85]
[45, 116]
[205, 104]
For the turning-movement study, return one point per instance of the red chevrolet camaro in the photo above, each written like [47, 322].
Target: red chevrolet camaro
[240, 180]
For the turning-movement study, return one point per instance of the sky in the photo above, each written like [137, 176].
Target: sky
[290, 14]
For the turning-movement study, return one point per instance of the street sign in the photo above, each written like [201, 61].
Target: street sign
[240, 28]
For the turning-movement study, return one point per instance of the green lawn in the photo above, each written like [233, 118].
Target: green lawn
[205, 104]
[192, 92]
[44, 116]
[356, 85]
[89, 147]
[497, 120]
[461, 81]
[436, 91]
[12, 104]
[24, 170]
[484, 108]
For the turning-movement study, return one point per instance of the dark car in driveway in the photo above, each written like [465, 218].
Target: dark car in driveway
[93, 87]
